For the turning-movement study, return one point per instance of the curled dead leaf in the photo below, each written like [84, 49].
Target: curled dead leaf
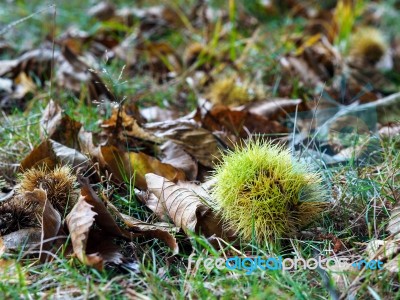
[128, 165]
[50, 153]
[175, 156]
[102, 216]
[184, 207]
[21, 239]
[198, 142]
[50, 220]
[79, 222]
[59, 127]
[240, 123]
[163, 232]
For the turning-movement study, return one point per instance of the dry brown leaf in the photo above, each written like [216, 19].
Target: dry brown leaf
[274, 109]
[86, 144]
[388, 250]
[115, 162]
[125, 166]
[72, 72]
[102, 11]
[157, 114]
[393, 265]
[298, 67]
[198, 142]
[24, 85]
[143, 164]
[152, 202]
[184, 207]
[11, 271]
[7, 66]
[163, 232]
[139, 228]
[240, 123]
[79, 222]
[103, 217]
[59, 127]
[122, 125]
[175, 156]
[390, 131]
[179, 204]
[382, 249]
[51, 153]
[100, 245]
[99, 242]
[24, 238]
[394, 222]
[36, 61]
[50, 220]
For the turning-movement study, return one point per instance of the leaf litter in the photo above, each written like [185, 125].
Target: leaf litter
[164, 156]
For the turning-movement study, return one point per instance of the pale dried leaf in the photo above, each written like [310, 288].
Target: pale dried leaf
[382, 249]
[24, 238]
[181, 204]
[59, 127]
[50, 219]
[79, 222]
[143, 164]
[393, 265]
[186, 209]
[274, 108]
[174, 155]
[51, 153]
[394, 223]
[198, 142]
[102, 217]
[162, 231]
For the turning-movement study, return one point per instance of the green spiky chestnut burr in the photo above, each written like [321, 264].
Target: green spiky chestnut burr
[263, 193]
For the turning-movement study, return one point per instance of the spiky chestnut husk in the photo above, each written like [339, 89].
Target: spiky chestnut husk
[58, 183]
[18, 213]
[368, 45]
[262, 193]
[229, 91]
